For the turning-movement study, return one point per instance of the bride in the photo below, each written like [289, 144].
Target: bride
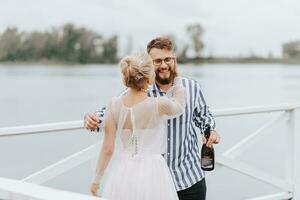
[131, 165]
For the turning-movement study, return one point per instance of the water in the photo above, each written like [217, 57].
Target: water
[42, 94]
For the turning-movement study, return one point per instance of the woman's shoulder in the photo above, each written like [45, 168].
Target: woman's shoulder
[151, 102]
[155, 99]
[114, 100]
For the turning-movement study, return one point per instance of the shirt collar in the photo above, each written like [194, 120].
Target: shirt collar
[155, 88]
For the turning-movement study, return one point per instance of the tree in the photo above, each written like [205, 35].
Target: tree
[195, 32]
[32, 46]
[51, 49]
[110, 50]
[182, 55]
[67, 43]
[10, 43]
[86, 46]
[291, 49]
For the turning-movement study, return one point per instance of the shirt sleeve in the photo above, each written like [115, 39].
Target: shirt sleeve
[101, 115]
[201, 114]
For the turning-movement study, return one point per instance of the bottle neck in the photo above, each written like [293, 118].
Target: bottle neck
[207, 132]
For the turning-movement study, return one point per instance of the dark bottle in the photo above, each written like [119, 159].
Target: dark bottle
[207, 153]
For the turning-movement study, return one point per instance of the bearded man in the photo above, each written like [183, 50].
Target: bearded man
[182, 152]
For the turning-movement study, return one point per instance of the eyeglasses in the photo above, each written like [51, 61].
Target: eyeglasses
[167, 61]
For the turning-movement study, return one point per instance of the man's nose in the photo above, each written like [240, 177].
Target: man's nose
[164, 66]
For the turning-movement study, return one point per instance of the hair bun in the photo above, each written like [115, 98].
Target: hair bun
[136, 69]
[125, 65]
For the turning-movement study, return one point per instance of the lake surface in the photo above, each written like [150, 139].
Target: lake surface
[43, 94]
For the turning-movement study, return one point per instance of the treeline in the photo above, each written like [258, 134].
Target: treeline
[65, 44]
[80, 45]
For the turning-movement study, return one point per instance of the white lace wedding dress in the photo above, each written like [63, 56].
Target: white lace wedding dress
[137, 169]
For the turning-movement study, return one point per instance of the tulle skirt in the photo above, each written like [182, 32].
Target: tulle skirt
[138, 178]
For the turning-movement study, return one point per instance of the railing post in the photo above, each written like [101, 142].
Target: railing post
[296, 155]
[291, 155]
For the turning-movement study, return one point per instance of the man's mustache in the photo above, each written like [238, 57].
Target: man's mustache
[166, 69]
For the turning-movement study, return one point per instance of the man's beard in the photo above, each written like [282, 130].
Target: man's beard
[165, 81]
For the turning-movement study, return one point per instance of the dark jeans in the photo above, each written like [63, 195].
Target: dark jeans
[196, 192]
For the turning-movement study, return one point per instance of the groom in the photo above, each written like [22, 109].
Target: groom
[182, 157]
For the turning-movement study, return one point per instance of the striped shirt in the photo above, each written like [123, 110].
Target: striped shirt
[183, 151]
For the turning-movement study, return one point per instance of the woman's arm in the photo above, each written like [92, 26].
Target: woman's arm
[106, 150]
[175, 104]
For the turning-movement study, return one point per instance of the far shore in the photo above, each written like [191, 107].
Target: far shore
[206, 60]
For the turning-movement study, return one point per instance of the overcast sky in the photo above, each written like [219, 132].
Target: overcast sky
[232, 27]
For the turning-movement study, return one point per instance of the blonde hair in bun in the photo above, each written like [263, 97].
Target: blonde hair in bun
[137, 70]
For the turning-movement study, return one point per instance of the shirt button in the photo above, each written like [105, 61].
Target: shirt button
[168, 124]
[168, 139]
[168, 154]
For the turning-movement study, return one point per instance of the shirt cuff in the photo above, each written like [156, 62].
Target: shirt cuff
[102, 121]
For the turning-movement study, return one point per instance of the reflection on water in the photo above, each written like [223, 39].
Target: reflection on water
[34, 94]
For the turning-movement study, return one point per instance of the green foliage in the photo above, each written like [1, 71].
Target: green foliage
[110, 50]
[195, 31]
[79, 45]
[194, 44]
[66, 44]
[291, 50]
[10, 43]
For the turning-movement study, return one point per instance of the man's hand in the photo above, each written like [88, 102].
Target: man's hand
[214, 138]
[91, 121]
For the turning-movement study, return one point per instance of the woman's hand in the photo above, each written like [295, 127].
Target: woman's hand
[94, 189]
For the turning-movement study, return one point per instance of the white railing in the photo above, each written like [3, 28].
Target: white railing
[17, 190]
[290, 186]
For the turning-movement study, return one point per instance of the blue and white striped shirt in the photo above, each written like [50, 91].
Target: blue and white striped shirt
[183, 151]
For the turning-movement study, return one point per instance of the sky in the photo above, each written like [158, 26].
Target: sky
[231, 27]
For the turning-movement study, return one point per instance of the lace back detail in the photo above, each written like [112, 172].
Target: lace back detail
[141, 128]
[128, 139]
[134, 137]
